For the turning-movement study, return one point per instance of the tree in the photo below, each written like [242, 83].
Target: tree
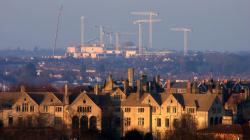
[184, 128]
[133, 135]
[1, 124]
[148, 136]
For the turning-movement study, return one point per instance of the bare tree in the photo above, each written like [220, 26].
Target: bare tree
[184, 128]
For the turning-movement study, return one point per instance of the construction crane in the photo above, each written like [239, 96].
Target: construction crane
[117, 38]
[185, 32]
[101, 34]
[140, 22]
[150, 14]
[82, 30]
[57, 29]
[109, 34]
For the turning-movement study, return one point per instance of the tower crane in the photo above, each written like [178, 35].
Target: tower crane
[140, 22]
[57, 29]
[150, 14]
[185, 32]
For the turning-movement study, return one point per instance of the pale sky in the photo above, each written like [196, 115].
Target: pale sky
[220, 25]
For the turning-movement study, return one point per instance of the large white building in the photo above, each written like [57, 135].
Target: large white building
[97, 51]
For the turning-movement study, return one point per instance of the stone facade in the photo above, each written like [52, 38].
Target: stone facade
[147, 112]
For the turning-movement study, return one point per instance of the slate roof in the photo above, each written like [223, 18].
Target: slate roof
[7, 99]
[38, 97]
[203, 102]
[133, 99]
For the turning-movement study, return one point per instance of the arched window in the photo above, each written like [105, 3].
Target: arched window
[84, 122]
[216, 120]
[93, 122]
[10, 121]
[211, 121]
[220, 121]
[75, 122]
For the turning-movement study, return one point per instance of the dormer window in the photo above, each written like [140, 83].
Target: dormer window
[84, 101]
[24, 99]
[51, 100]
[171, 101]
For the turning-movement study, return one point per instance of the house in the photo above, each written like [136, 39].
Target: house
[157, 113]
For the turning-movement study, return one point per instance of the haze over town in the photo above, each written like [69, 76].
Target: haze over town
[217, 25]
[129, 70]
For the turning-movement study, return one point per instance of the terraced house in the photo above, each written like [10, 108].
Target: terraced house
[113, 107]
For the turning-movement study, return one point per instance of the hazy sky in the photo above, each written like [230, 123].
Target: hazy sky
[221, 25]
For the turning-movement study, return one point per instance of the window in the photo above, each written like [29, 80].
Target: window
[158, 121]
[18, 108]
[58, 109]
[25, 107]
[20, 121]
[84, 109]
[45, 108]
[79, 109]
[140, 110]
[32, 108]
[58, 121]
[175, 121]
[168, 109]
[127, 109]
[127, 121]
[10, 121]
[140, 121]
[117, 97]
[89, 109]
[153, 109]
[174, 110]
[167, 122]
[190, 110]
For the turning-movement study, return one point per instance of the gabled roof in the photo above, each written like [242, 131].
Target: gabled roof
[133, 99]
[60, 96]
[93, 97]
[203, 102]
[38, 97]
[7, 99]
[179, 98]
[117, 89]
[155, 97]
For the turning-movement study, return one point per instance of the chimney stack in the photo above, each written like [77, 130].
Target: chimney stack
[131, 77]
[97, 89]
[188, 87]
[66, 94]
[225, 81]
[139, 86]
[22, 88]
[168, 83]
[125, 86]
[157, 79]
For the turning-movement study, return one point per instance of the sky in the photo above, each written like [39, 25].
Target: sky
[219, 25]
